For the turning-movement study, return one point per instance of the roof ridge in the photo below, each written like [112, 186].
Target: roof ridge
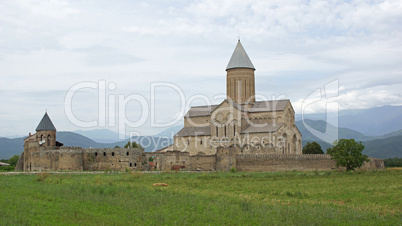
[204, 106]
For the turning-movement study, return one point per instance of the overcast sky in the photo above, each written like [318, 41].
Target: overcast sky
[297, 47]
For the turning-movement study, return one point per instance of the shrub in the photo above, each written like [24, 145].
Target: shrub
[41, 177]
[393, 162]
[233, 170]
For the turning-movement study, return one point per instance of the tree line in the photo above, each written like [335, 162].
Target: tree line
[347, 153]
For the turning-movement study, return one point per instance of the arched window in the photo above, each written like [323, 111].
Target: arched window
[225, 130]
[217, 134]
[234, 130]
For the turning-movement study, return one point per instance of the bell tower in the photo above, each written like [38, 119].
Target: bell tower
[240, 82]
[46, 132]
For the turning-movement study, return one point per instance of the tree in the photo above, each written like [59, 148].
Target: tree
[132, 145]
[13, 160]
[348, 153]
[312, 148]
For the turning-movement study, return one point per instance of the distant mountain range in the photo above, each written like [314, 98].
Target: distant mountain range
[383, 124]
[372, 122]
[101, 135]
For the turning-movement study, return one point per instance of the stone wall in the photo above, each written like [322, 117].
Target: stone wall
[78, 159]
[67, 159]
[203, 162]
[245, 162]
[165, 161]
[114, 159]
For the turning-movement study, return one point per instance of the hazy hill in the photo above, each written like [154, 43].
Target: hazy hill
[10, 147]
[393, 134]
[169, 132]
[101, 135]
[322, 126]
[75, 139]
[373, 122]
[384, 148]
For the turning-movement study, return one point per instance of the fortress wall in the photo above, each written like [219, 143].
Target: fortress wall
[168, 159]
[68, 159]
[78, 159]
[114, 159]
[246, 162]
[203, 162]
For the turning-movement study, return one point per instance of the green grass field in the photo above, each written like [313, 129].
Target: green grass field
[275, 198]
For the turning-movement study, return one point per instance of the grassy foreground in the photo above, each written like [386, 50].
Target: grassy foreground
[300, 198]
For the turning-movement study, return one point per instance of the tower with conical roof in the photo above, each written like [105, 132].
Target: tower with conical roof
[240, 83]
[46, 132]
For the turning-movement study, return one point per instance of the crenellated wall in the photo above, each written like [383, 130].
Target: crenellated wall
[227, 158]
[36, 158]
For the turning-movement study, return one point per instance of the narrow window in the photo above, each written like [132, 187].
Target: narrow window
[188, 141]
[96, 153]
[104, 153]
[201, 141]
[127, 153]
[234, 130]
[225, 131]
[48, 140]
[245, 88]
[131, 164]
[112, 153]
[217, 132]
[135, 164]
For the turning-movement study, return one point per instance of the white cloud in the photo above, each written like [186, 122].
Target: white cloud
[297, 47]
[50, 8]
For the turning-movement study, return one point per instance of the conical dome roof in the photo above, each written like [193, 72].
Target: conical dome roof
[240, 58]
[45, 124]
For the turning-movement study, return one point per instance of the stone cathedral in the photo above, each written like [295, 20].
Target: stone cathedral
[239, 133]
[254, 127]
